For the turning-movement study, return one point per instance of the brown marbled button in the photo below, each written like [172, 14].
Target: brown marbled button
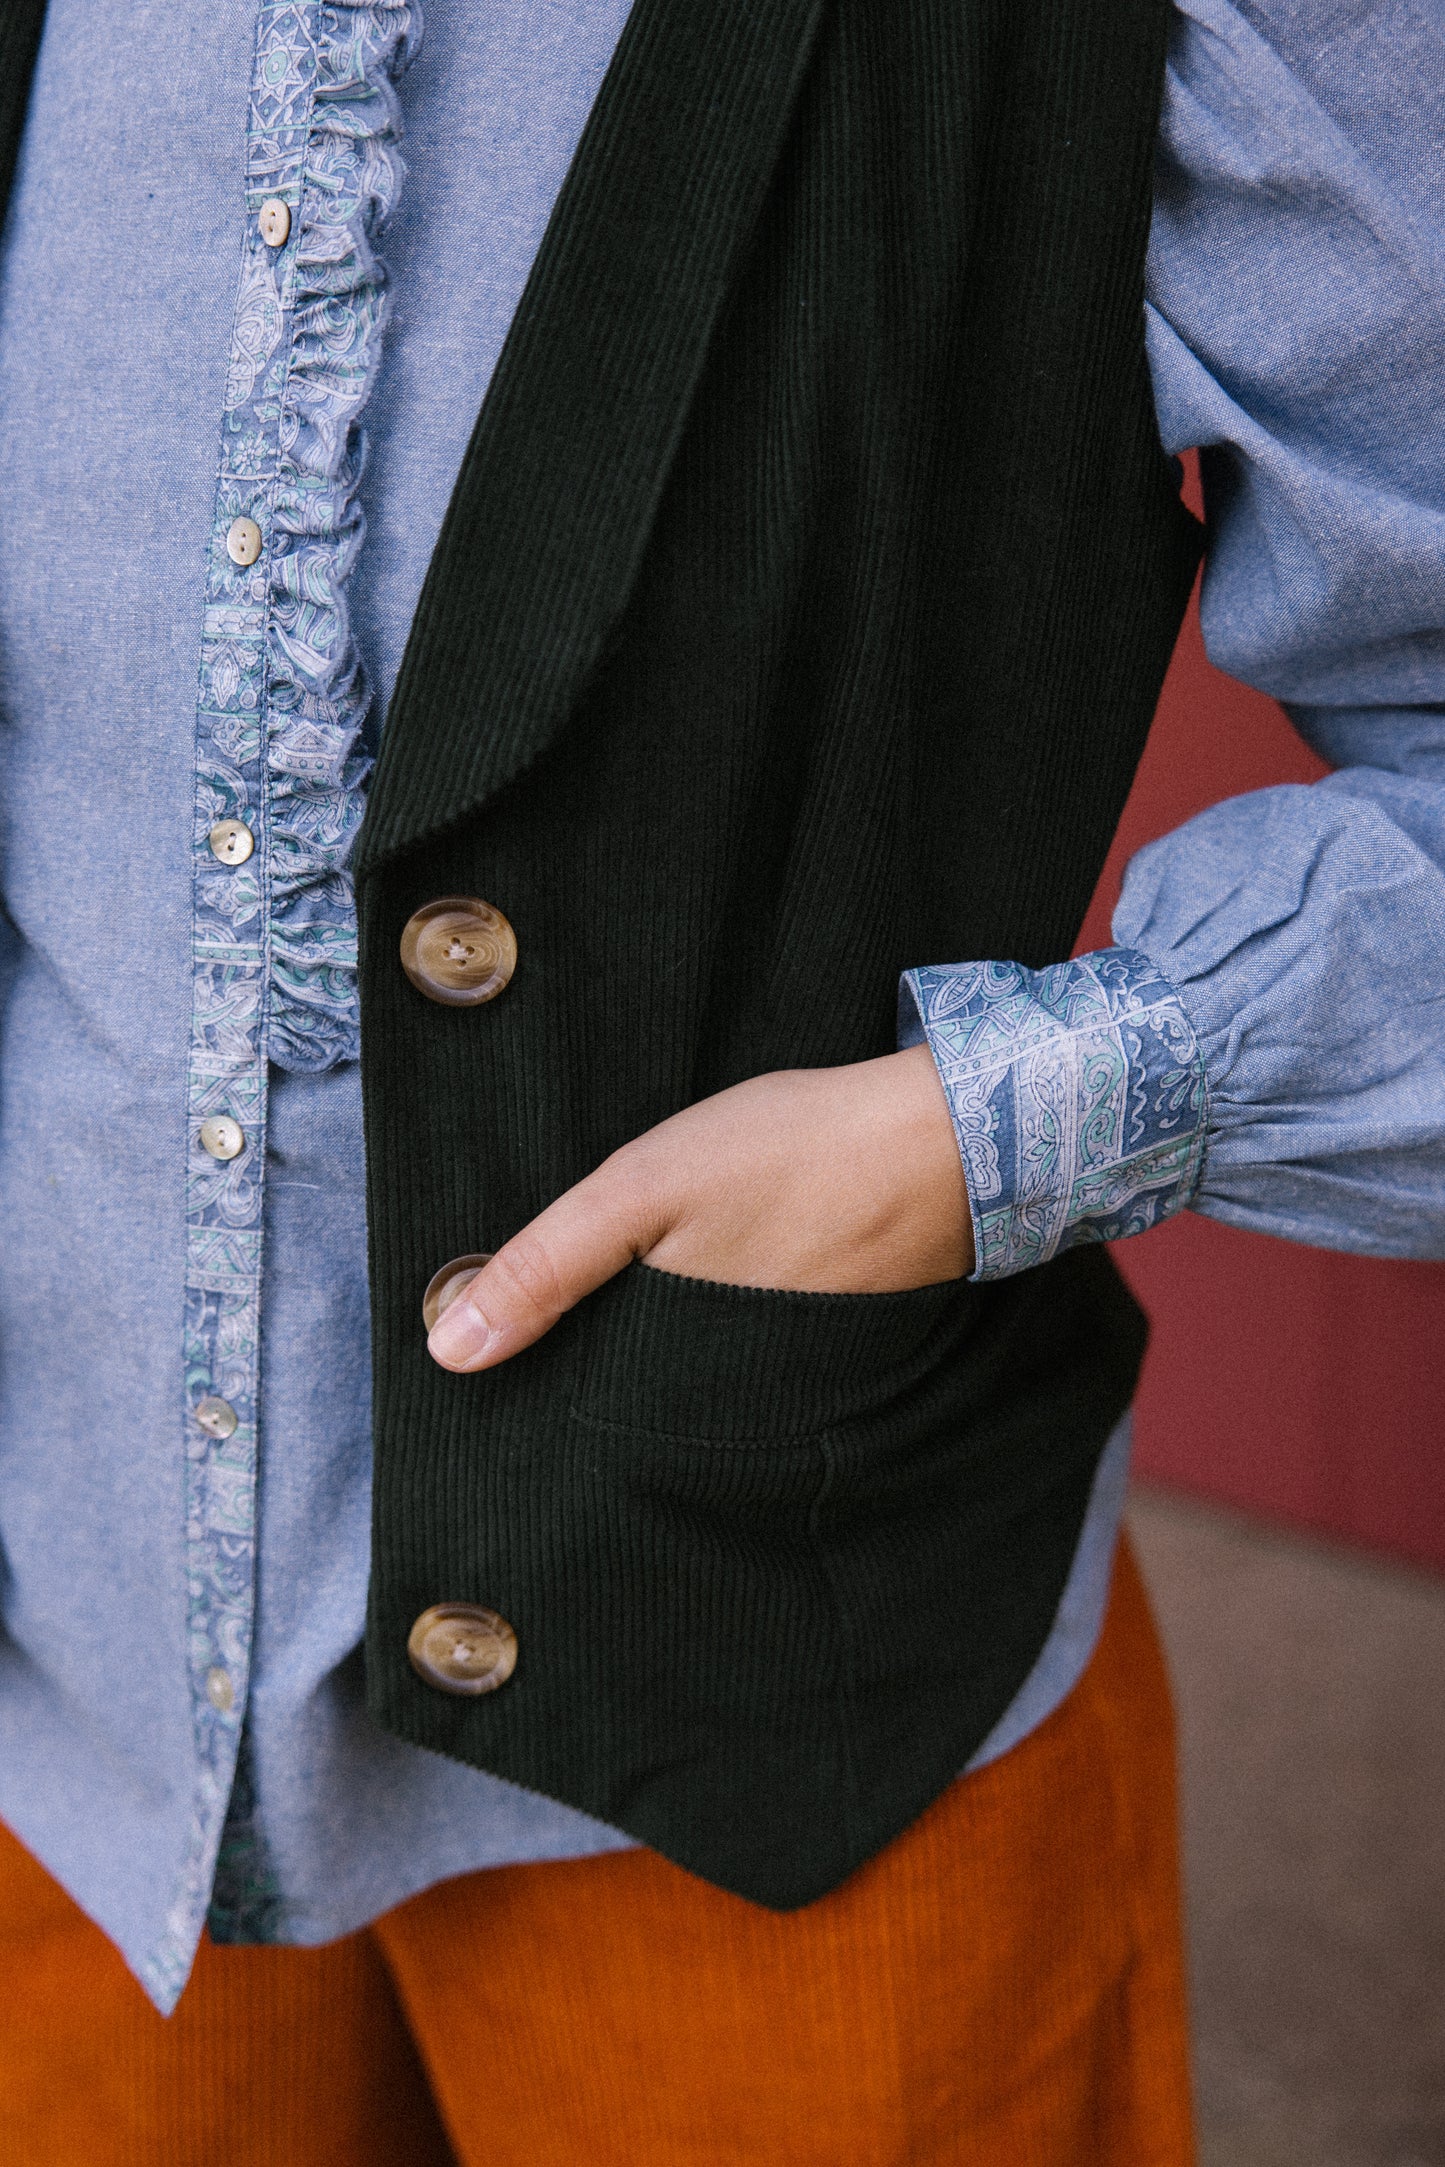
[444, 1286]
[459, 951]
[462, 1648]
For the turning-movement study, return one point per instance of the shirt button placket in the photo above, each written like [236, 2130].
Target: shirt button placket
[231, 843]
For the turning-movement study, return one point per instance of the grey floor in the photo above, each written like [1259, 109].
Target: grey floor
[1311, 1691]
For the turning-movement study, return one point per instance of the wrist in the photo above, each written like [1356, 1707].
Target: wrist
[925, 1142]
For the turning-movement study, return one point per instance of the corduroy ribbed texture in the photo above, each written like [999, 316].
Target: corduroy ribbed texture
[20, 26]
[799, 616]
[608, 347]
[1002, 1988]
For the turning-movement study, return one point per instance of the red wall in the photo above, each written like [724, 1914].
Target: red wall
[1291, 1382]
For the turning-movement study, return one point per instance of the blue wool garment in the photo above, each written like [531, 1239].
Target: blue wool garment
[171, 1589]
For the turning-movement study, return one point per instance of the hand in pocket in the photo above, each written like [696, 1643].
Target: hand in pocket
[841, 1180]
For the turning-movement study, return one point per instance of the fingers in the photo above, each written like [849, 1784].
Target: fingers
[573, 1247]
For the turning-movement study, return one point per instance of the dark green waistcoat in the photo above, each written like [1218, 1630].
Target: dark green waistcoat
[799, 616]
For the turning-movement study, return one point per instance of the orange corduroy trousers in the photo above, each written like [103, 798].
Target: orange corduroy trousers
[1002, 1986]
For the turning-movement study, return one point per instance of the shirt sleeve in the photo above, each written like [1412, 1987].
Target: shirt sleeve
[1267, 1041]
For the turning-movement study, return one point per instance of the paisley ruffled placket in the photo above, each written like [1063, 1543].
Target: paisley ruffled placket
[279, 746]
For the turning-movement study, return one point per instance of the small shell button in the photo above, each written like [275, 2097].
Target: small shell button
[222, 1137]
[231, 841]
[243, 541]
[217, 1417]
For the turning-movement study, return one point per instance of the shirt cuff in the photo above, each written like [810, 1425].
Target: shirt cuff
[1077, 1093]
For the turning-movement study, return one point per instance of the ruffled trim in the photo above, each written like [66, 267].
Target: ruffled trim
[317, 697]
[281, 708]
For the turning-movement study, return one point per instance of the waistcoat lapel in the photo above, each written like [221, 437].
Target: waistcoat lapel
[20, 23]
[566, 465]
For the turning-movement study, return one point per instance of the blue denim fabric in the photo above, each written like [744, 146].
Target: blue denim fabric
[1296, 320]
[117, 295]
[130, 239]
[1297, 332]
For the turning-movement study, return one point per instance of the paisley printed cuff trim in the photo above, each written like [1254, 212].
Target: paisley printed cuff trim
[1078, 1097]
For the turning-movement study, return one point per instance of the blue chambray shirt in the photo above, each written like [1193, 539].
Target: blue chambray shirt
[171, 1589]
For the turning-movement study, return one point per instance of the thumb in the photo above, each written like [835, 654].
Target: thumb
[582, 1240]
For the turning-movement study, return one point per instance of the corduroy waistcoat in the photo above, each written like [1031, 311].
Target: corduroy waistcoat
[799, 617]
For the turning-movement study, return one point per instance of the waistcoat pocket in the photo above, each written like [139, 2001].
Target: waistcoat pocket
[739, 1366]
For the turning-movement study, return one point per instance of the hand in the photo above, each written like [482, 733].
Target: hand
[830, 1179]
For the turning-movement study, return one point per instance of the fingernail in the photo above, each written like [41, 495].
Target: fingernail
[461, 1335]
